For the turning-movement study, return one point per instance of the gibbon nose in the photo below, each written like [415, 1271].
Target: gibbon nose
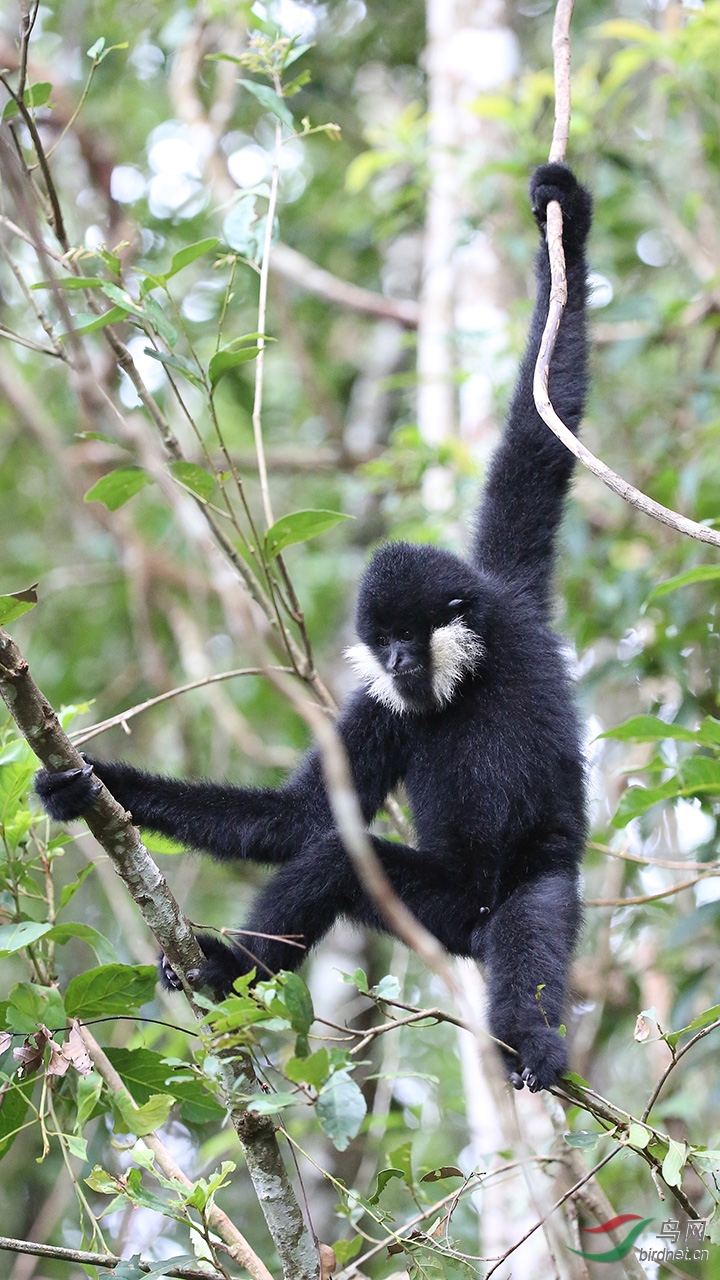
[399, 659]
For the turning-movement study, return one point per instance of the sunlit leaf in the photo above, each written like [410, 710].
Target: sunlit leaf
[35, 95]
[111, 989]
[341, 1109]
[190, 254]
[299, 526]
[193, 477]
[223, 361]
[701, 573]
[17, 603]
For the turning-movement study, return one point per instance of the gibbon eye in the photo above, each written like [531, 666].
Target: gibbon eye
[406, 635]
[383, 641]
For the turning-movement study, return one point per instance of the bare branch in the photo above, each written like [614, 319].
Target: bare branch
[296, 267]
[86, 1259]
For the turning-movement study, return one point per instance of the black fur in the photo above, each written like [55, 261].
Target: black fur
[491, 758]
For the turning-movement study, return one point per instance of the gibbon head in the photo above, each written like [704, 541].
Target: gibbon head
[418, 616]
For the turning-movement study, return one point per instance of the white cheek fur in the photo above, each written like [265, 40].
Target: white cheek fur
[455, 650]
[379, 683]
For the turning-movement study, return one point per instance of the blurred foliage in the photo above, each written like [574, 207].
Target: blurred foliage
[168, 232]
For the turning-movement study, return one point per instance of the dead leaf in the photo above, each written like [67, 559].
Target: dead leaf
[328, 1261]
[31, 1052]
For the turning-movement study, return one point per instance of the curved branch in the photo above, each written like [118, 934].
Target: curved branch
[558, 298]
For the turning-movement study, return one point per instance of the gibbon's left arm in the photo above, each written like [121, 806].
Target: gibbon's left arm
[530, 472]
[261, 824]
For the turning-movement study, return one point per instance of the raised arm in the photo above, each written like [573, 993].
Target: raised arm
[228, 822]
[530, 472]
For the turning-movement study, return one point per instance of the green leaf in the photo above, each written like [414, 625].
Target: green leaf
[268, 99]
[16, 603]
[185, 256]
[583, 1140]
[702, 573]
[357, 979]
[145, 1073]
[69, 283]
[122, 298]
[13, 937]
[708, 1161]
[15, 1103]
[673, 1163]
[384, 1176]
[161, 844]
[223, 361]
[344, 1250]
[143, 1119]
[298, 1002]
[83, 324]
[445, 1171]
[194, 478]
[267, 1104]
[638, 1136]
[299, 526]
[118, 487]
[388, 988]
[179, 364]
[313, 1070]
[35, 95]
[110, 989]
[703, 1020]
[77, 1146]
[104, 950]
[696, 776]
[341, 1109]
[648, 729]
[89, 1089]
[71, 889]
[30, 1004]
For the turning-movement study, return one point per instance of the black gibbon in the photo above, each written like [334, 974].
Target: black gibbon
[465, 698]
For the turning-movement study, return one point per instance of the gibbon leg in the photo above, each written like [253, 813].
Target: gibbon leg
[527, 948]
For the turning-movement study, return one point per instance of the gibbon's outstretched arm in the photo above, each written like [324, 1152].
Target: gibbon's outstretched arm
[260, 824]
[530, 472]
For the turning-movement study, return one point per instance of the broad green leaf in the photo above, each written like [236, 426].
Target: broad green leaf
[111, 989]
[16, 603]
[345, 1250]
[35, 95]
[341, 1109]
[313, 1070]
[697, 776]
[145, 1073]
[268, 98]
[708, 1161]
[30, 1004]
[118, 487]
[299, 526]
[298, 1002]
[15, 936]
[70, 283]
[185, 256]
[143, 1119]
[583, 1140]
[77, 1146]
[702, 573]
[673, 1163]
[133, 1269]
[122, 298]
[104, 950]
[159, 322]
[648, 729]
[83, 324]
[193, 477]
[638, 1136]
[223, 361]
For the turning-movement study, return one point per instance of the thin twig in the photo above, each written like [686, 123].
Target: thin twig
[648, 897]
[261, 320]
[80, 736]
[677, 1055]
